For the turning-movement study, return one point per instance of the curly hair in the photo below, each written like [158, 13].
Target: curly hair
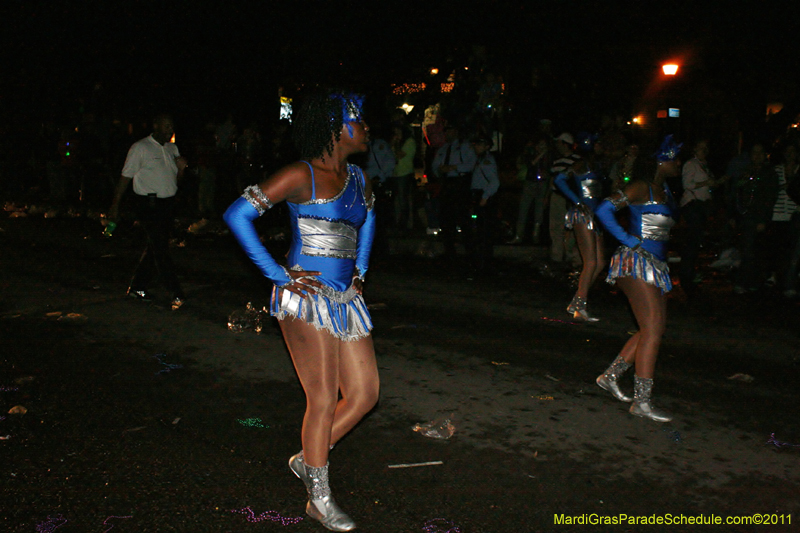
[319, 122]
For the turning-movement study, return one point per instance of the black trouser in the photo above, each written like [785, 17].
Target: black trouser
[402, 189]
[156, 217]
[478, 235]
[383, 220]
[695, 214]
[752, 249]
[455, 204]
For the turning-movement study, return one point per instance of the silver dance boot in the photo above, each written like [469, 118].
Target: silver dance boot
[297, 466]
[642, 405]
[608, 379]
[321, 505]
[577, 308]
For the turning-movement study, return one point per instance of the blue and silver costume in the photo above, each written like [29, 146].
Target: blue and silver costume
[332, 236]
[643, 251]
[589, 188]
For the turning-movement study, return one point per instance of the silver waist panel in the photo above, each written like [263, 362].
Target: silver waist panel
[591, 188]
[327, 238]
[655, 226]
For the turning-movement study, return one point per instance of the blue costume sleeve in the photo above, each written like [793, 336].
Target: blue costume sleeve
[239, 217]
[364, 247]
[562, 182]
[606, 214]
[366, 234]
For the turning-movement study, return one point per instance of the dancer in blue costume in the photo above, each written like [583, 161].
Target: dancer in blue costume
[318, 300]
[580, 218]
[639, 268]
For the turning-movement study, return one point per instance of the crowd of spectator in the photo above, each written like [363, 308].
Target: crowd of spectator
[438, 174]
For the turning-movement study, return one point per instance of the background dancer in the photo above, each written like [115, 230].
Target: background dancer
[639, 268]
[580, 218]
[318, 301]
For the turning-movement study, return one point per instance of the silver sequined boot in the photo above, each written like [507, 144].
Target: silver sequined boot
[321, 505]
[577, 308]
[608, 379]
[642, 405]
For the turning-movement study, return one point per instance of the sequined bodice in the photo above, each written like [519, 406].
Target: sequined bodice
[652, 222]
[590, 185]
[325, 232]
[590, 189]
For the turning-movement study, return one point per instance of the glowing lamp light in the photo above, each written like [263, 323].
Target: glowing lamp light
[774, 107]
[407, 108]
[172, 140]
[670, 69]
[434, 71]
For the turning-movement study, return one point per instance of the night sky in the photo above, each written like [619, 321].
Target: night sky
[207, 58]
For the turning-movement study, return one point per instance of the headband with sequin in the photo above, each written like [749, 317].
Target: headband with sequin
[352, 105]
[669, 149]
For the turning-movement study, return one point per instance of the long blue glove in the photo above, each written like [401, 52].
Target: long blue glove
[605, 212]
[364, 247]
[239, 217]
[562, 182]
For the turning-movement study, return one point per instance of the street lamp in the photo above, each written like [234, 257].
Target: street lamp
[670, 69]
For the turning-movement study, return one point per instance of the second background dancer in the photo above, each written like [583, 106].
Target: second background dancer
[580, 218]
[640, 269]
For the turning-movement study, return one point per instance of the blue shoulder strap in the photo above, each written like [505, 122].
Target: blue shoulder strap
[313, 187]
[360, 178]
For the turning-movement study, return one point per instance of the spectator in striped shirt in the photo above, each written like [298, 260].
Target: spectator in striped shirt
[558, 203]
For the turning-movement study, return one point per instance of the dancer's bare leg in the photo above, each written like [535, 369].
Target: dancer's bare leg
[650, 309]
[600, 256]
[359, 383]
[628, 351]
[587, 246]
[315, 354]
[325, 364]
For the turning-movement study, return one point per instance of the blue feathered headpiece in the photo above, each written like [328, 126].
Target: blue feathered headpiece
[352, 108]
[669, 149]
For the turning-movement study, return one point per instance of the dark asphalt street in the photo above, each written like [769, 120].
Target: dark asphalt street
[115, 436]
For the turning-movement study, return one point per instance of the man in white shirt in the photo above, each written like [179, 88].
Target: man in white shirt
[697, 181]
[154, 165]
[453, 165]
[380, 160]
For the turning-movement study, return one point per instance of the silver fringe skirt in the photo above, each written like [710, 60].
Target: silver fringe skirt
[576, 216]
[343, 314]
[639, 264]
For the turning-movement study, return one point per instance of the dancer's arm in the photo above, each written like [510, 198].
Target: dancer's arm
[605, 212]
[287, 183]
[366, 235]
[562, 182]
[239, 217]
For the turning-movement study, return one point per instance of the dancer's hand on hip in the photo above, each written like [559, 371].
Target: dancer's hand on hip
[303, 282]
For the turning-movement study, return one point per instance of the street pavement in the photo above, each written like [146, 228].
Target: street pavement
[145, 419]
